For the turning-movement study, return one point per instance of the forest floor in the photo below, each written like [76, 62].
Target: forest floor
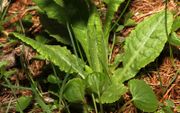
[162, 75]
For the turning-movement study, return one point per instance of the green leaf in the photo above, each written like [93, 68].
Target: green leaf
[88, 69]
[120, 27]
[143, 45]
[77, 10]
[130, 22]
[55, 30]
[64, 11]
[96, 43]
[174, 39]
[53, 79]
[169, 103]
[3, 63]
[97, 82]
[118, 58]
[71, 11]
[112, 7]
[23, 102]
[58, 55]
[80, 32]
[113, 93]
[74, 90]
[91, 38]
[40, 38]
[167, 109]
[53, 10]
[59, 2]
[143, 96]
[176, 24]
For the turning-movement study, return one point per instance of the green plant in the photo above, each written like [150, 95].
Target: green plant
[96, 77]
[167, 107]
[23, 102]
[174, 39]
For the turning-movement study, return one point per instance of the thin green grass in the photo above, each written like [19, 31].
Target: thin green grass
[14, 93]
